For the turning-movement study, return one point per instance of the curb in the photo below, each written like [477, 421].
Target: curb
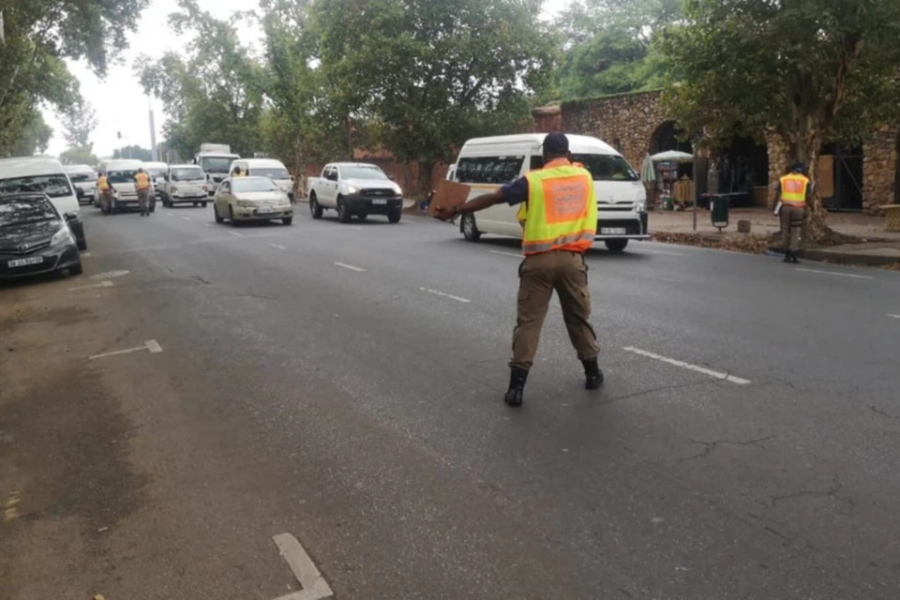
[866, 260]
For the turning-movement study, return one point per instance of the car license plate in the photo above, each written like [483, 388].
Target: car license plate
[24, 262]
[379, 202]
[265, 210]
[613, 231]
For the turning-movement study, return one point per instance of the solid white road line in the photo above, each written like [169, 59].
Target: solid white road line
[102, 284]
[150, 345]
[314, 585]
[834, 273]
[351, 267]
[506, 253]
[451, 296]
[235, 234]
[277, 246]
[690, 367]
[648, 251]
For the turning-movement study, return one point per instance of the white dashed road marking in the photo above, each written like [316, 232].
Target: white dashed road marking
[443, 295]
[505, 253]
[648, 251]
[186, 218]
[277, 246]
[168, 214]
[314, 585]
[351, 267]
[102, 284]
[688, 366]
[834, 273]
[151, 345]
[894, 316]
[235, 234]
[109, 274]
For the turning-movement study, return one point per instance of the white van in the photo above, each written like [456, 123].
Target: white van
[84, 179]
[185, 184]
[157, 172]
[120, 174]
[47, 175]
[267, 167]
[484, 164]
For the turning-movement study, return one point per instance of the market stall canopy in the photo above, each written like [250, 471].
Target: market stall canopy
[673, 156]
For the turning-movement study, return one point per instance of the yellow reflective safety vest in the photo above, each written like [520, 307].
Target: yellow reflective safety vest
[793, 189]
[103, 183]
[522, 213]
[561, 212]
[142, 181]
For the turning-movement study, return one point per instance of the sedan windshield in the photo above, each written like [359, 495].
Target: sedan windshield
[276, 173]
[363, 173]
[216, 164]
[55, 186]
[253, 184]
[188, 174]
[18, 211]
[607, 167]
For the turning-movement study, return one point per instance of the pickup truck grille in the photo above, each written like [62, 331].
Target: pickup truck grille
[378, 193]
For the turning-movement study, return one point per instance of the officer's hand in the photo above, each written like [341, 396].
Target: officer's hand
[444, 213]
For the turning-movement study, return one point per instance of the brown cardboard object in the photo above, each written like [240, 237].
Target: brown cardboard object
[449, 194]
[825, 179]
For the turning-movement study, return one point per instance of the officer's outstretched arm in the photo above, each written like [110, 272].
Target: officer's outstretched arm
[473, 205]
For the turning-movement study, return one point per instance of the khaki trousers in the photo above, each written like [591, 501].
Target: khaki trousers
[539, 275]
[143, 199]
[791, 223]
[105, 200]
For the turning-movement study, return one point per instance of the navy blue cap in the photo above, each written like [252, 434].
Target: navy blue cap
[556, 143]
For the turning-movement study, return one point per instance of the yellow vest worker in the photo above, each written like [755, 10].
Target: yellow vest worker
[793, 193]
[560, 221]
[141, 180]
[103, 183]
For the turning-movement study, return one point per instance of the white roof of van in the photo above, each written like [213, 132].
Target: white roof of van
[577, 143]
[352, 164]
[184, 166]
[122, 163]
[261, 163]
[156, 165]
[24, 166]
[78, 168]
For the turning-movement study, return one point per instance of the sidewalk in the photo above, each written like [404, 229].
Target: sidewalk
[876, 246]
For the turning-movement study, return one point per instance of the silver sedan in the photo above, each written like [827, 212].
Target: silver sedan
[251, 199]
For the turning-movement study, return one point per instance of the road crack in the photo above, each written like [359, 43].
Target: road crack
[708, 447]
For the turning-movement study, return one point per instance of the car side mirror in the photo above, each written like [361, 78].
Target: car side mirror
[70, 217]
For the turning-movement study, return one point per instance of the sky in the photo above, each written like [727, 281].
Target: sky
[119, 100]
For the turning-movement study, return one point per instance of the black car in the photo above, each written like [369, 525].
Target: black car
[34, 238]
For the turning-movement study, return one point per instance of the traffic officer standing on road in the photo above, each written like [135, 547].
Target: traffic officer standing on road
[560, 224]
[795, 194]
[105, 190]
[142, 183]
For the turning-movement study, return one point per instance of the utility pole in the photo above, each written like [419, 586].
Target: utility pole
[153, 152]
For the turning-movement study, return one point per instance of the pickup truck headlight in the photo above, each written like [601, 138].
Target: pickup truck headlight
[62, 236]
[352, 190]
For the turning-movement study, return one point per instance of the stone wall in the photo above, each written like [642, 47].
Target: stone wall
[629, 121]
[880, 165]
[626, 121]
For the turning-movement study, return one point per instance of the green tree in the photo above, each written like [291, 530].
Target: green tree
[133, 152]
[213, 92]
[78, 156]
[429, 74]
[809, 71]
[31, 137]
[610, 46]
[79, 123]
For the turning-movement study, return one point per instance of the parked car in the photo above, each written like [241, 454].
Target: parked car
[487, 163]
[34, 237]
[120, 173]
[42, 174]
[157, 172]
[84, 178]
[355, 190]
[185, 184]
[251, 199]
[266, 167]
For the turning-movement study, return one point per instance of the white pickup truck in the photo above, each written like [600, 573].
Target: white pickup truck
[355, 189]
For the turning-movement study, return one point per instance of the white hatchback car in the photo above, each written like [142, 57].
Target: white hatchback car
[252, 199]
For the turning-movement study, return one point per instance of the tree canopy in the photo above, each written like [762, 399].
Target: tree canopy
[809, 71]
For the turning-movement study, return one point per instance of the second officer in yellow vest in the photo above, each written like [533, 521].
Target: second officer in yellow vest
[795, 194]
[560, 224]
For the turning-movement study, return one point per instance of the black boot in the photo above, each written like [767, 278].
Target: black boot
[593, 376]
[794, 259]
[787, 256]
[514, 394]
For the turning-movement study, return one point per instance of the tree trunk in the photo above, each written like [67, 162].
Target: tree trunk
[424, 184]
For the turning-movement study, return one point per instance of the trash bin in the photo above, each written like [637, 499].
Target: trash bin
[718, 207]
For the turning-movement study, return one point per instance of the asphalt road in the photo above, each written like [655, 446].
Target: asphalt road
[343, 384]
